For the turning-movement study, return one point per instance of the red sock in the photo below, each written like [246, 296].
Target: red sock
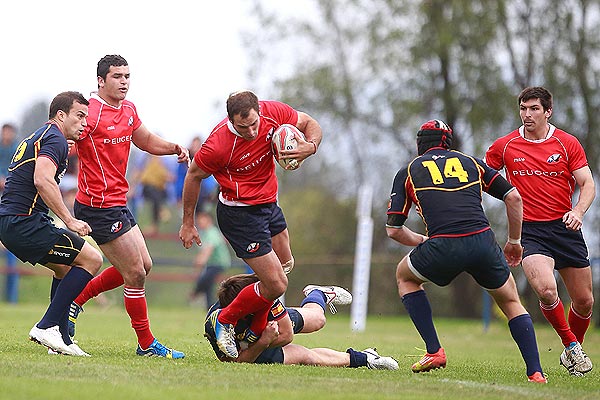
[135, 304]
[246, 302]
[259, 321]
[108, 279]
[555, 314]
[579, 324]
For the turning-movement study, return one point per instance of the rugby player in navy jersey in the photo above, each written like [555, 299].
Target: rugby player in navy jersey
[307, 318]
[27, 231]
[446, 186]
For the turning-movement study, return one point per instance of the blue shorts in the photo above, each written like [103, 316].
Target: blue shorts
[441, 259]
[107, 223]
[552, 239]
[272, 355]
[249, 229]
[35, 239]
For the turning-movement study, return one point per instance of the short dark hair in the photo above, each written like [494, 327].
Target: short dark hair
[111, 60]
[64, 101]
[537, 92]
[241, 103]
[9, 126]
[230, 287]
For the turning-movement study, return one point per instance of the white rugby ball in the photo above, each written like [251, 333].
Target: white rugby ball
[284, 139]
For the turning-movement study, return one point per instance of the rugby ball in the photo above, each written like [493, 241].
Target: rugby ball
[284, 138]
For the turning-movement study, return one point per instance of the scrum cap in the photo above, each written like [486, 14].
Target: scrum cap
[434, 133]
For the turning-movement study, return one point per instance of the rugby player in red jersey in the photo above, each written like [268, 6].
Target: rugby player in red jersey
[546, 164]
[113, 125]
[238, 154]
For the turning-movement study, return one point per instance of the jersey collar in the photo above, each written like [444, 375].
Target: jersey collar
[548, 135]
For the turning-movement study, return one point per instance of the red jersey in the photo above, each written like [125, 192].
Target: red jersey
[245, 169]
[542, 170]
[103, 151]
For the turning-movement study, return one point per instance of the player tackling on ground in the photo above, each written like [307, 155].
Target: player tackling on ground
[308, 318]
[446, 186]
[546, 164]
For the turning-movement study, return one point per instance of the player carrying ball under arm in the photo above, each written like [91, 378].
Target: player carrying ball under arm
[446, 186]
[101, 200]
[545, 164]
[238, 154]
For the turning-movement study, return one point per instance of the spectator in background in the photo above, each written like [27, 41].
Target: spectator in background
[212, 260]
[154, 178]
[8, 146]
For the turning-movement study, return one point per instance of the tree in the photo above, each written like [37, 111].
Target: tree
[372, 71]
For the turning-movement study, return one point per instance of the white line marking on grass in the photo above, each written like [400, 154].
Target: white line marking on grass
[531, 393]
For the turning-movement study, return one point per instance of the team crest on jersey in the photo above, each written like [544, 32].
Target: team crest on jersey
[253, 247]
[130, 122]
[116, 227]
[553, 158]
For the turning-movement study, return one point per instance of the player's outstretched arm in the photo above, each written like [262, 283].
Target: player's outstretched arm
[154, 144]
[188, 234]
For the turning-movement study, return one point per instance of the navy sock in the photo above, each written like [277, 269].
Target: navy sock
[63, 325]
[54, 286]
[68, 289]
[316, 296]
[357, 358]
[419, 310]
[521, 329]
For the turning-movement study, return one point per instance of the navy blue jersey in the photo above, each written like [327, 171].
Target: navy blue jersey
[446, 186]
[278, 311]
[20, 195]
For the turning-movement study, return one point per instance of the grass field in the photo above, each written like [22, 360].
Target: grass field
[480, 365]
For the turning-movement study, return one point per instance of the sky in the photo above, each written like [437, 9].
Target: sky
[185, 57]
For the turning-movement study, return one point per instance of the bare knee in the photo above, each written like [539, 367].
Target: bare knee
[274, 288]
[547, 295]
[134, 276]
[148, 266]
[583, 306]
[319, 321]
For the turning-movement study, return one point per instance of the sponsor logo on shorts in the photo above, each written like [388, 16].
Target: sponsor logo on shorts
[59, 253]
[116, 227]
[253, 247]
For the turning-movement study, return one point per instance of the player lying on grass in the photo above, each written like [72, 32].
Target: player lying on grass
[309, 317]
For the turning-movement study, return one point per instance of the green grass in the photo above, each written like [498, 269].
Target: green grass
[480, 365]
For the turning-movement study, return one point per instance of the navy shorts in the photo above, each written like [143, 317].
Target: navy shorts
[441, 259]
[272, 355]
[552, 238]
[249, 229]
[35, 239]
[107, 223]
